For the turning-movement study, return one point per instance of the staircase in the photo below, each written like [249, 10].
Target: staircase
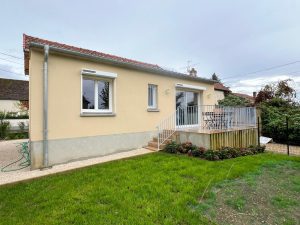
[153, 144]
[166, 128]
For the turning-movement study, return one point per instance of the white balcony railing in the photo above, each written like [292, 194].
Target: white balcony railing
[206, 118]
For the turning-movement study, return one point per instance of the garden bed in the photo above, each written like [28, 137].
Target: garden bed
[209, 154]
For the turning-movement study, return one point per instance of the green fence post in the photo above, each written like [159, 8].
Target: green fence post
[287, 135]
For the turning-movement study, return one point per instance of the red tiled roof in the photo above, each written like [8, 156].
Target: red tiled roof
[249, 97]
[29, 39]
[14, 89]
[220, 86]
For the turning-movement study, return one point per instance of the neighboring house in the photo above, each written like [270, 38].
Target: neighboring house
[220, 92]
[249, 98]
[12, 92]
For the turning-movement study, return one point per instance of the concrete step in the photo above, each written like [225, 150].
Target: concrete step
[153, 144]
[155, 139]
[151, 148]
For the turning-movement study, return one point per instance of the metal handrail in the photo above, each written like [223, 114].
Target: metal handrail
[206, 117]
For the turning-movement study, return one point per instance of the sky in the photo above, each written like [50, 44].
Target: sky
[234, 39]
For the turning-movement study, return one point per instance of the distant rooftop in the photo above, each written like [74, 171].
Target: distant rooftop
[221, 87]
[14, 89]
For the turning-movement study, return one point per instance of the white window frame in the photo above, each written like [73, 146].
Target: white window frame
[154, 96]
[97, 76]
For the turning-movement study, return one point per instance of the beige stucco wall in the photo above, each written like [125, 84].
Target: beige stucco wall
[9, 105]
[130, 99]
[219, 95]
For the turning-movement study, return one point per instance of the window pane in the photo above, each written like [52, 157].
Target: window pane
[180, 99]
[103, 95]
[88, 94]
[150, 94]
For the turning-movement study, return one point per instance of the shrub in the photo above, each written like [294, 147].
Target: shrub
[197, 152]
[273, 120]
[171, 147]
[4, 126]
[234, 152]
[261, 148]
[211, 155]
[181, 149]
[202, 150]
[16, 115]
[224, 154]
[13, 136]
[187, 147]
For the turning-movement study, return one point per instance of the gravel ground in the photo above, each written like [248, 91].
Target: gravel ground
[17, 176]
[9, 152]
[281, 148]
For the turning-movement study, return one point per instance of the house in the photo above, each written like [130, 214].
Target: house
[220, 92]
[12, 93]
[86, 103]
[249, 98]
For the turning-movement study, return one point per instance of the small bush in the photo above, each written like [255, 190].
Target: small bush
[13, 136]
[187, 147]
[224, 154]
[4, 126]
[211, 155]
[16, 115]
[171, 147]
[261, 149]
[234, 152]
[202, 150]
[197, 152]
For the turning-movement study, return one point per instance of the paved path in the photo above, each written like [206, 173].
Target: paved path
[281, 148]
[9, 152]
[13, 177]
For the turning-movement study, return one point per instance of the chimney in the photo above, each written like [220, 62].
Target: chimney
[254, 94]
[193, 72]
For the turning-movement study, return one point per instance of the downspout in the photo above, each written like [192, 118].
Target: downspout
[45, 107]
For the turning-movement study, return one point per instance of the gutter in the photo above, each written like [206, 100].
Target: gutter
[45, 107]
[123, 64]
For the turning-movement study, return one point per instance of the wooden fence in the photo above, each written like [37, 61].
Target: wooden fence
[237, 138]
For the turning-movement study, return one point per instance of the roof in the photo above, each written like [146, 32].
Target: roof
[13, 89]
[29, 42]
[248, 97]
[221, 87]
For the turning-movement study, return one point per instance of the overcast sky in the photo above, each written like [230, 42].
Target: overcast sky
[231, 38]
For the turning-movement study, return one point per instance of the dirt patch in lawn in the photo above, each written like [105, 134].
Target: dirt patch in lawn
[270, 196]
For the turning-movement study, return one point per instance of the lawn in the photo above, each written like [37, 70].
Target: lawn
[158, 188]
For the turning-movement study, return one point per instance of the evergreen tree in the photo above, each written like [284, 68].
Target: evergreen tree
[215, 77]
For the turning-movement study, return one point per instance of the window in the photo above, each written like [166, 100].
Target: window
[152, 96]
[96, 95]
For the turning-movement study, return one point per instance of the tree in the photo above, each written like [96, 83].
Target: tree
[233, 100]
[215, 77]
[277, 101]
[282, 90]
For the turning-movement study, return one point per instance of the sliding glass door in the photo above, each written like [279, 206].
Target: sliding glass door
[187, 108]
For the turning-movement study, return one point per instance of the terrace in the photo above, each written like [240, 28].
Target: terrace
[214, 125]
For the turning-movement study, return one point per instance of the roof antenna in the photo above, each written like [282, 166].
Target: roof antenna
[188, 68]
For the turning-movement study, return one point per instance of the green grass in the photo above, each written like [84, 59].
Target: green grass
[158, 188]
[269, 195]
